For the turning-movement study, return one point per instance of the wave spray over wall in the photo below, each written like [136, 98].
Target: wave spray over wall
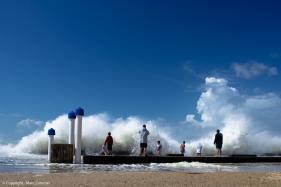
[94, 131]
[251, 124]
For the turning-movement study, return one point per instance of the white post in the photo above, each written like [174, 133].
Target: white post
[51, 133]
[78, 135]
[71, 131]
[71, 117]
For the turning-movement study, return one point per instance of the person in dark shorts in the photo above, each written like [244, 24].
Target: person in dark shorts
[143, 140]
[108, 143]
[218, 142]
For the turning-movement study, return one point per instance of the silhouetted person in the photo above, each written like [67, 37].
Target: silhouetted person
[218, 142]
[199, 149]
[182, 148]
[143, 140]
[103, 150]
[108, 143]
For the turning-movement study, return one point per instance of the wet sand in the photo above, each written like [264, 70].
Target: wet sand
[143, 179]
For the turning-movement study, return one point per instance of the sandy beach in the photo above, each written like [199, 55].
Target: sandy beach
[144, 179]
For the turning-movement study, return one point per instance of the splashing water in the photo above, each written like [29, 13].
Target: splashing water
[250, 125]
[94, 131]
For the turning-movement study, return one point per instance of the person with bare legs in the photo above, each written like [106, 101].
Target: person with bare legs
[143, 140]
[182, 148]
[158, 149]
[108, 143]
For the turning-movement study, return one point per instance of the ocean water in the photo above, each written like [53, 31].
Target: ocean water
[30, 163]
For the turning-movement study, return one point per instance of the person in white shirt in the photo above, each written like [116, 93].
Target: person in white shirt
[158, 148]
[143, 140]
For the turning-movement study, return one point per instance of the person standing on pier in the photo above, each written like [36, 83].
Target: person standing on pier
[182, 148]
[158, 148]
[143, 140]
[218, 142]
[108, 143]
[199, 149]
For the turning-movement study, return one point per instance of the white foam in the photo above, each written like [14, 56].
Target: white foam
[94, 131]
[198, 165]
[250, 125]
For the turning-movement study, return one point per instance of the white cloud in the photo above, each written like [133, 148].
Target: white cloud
[30, 123]
[215, 81]
[253, 69]
[190, 118]
[250, 124]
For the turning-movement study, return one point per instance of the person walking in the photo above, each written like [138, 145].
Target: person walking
[108, 143]
[143, 140]
[218, 142]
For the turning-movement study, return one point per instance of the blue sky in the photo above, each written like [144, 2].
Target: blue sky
[144, 58]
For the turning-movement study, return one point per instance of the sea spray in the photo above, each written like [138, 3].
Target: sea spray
[94, 131]
[251, 124]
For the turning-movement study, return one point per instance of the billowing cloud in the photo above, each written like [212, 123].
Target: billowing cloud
[253, 69]
[250, 124]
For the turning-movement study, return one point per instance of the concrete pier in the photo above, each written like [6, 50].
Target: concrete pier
[62, 153]
[173, 159]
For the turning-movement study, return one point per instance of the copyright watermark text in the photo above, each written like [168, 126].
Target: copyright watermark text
[19, 183]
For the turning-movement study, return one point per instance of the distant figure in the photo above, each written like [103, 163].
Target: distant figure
[108, 143]
[103, 150]
[158, 148]
[143, 140]
[218, 142]
[199, 149]
[182, 148]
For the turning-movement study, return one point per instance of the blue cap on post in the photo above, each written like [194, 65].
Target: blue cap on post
[71, 115]
[79, 111]
[51, 131]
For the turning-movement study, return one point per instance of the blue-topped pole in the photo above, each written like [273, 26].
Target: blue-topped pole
[78, 134]
[51, 134]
